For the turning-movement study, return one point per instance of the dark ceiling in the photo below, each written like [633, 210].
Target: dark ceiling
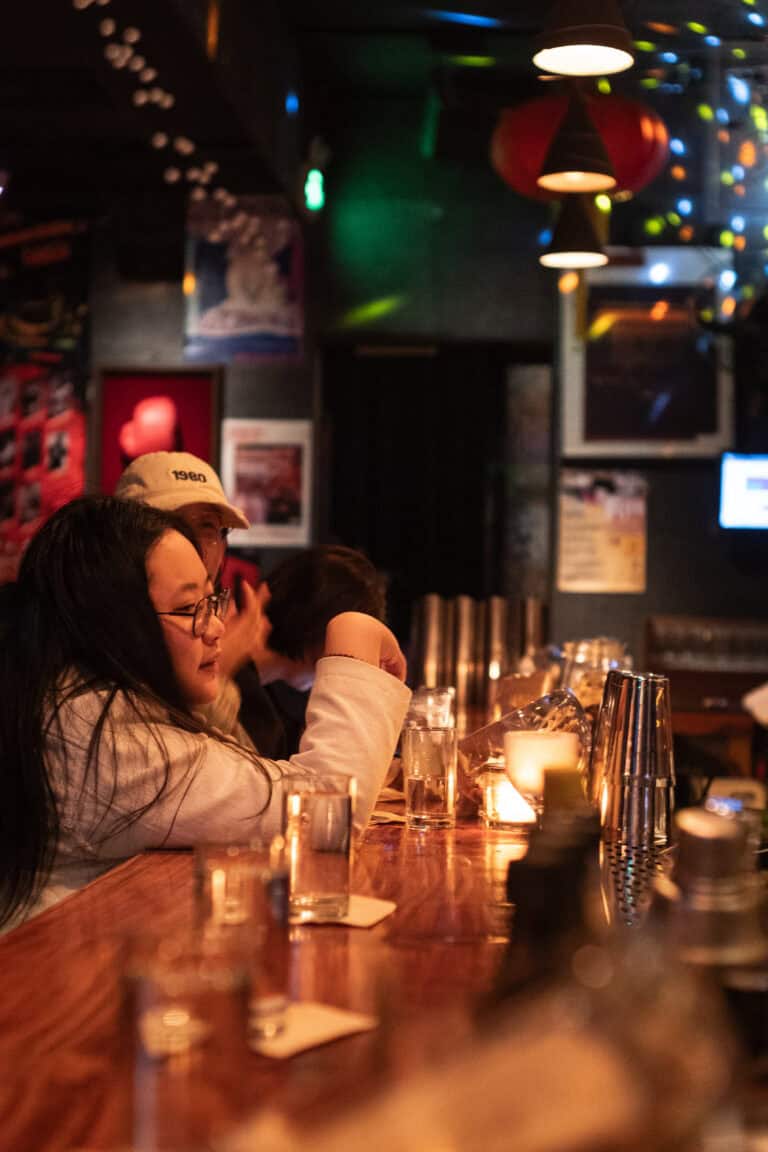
[75, 143]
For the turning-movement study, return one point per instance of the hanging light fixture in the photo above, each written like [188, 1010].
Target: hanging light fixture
[575, 243]
[577, 160]
[585, 38]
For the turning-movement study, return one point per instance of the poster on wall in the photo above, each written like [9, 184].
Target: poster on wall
[266, 469]
[155, 410]
[43, 318]
[244, 280]
[601, 532]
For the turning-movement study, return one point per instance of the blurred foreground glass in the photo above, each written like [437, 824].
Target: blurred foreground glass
[429, 777]
[432, 708]
[631, 773]
[586, 665]
[186, 998]
[318, 833]
[242, 892]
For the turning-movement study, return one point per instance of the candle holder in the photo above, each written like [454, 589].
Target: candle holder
[501, 805]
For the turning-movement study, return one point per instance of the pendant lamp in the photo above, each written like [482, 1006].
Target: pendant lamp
[585, 38]
[577, 160]
[575, 243]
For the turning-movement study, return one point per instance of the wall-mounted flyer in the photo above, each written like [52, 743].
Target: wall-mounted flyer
[602, 539]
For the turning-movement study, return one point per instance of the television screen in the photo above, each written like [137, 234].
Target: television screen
[743, 491]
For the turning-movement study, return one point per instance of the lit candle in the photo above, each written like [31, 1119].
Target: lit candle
[502, 804]
[527, 754]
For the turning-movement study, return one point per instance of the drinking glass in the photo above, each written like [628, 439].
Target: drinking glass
[432, 708]
[429, 775]
[242, 892]
[186, 999]
[318, 832]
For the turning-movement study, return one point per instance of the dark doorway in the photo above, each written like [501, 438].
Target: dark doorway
[415, 442]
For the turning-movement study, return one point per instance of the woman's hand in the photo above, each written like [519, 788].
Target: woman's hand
[364, 638]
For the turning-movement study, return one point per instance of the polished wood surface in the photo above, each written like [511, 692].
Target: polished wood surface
[64, 1047]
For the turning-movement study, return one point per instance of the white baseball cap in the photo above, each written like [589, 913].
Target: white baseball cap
[171, 480]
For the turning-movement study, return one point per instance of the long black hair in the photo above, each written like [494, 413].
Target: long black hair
[79, 618]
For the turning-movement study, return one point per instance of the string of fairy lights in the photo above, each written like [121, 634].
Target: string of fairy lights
[123, 50]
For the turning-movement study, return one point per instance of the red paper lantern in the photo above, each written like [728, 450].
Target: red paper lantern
[635, 139]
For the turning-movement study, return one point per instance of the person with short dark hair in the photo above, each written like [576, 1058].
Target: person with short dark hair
[109, 649]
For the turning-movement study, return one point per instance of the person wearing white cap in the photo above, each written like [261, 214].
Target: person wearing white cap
[188, 486]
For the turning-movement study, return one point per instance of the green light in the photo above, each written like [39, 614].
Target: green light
[365, 313]
[765, 232]
[726, 238]
[604, 86]
[749, 3]
[707, 315]
[473, 61]
[645, 46]
[759, 117]
[696, 27]
[654, 226]
[728, 179]
[673, 219]
[748, 291]
[603, 202]
[649, 82]
[314, 190]
[739, 53]
[705, 111]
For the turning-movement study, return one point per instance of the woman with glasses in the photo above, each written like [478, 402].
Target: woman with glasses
[110, 648]
[182, 483]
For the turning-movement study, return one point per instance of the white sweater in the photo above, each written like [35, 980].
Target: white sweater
[213, 793]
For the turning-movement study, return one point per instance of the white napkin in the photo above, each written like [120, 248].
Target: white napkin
[307, 1025]
[364, 912]
[756, 703]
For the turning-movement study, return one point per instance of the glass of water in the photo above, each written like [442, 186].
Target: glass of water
[318, 832]
[429, 773]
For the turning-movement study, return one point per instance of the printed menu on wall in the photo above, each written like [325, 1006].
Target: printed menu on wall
[601, 532]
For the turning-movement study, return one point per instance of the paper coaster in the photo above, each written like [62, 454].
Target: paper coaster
[307, 1025]
[364, 912]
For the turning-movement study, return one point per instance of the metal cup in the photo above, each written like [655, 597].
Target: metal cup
[631, 775]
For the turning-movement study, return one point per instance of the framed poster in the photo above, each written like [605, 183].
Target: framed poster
[601, 538]
[155, 410]
[243, 284]
[642, 375]
[266, 469]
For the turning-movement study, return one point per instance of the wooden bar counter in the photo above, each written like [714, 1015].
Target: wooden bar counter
[64, 1049]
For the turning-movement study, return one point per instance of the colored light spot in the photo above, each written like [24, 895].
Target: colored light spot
[604, 86]
[603, 202]
[469, 19]
[713, 41]
[659, 310]
[673, 219]
[740, 243]
[705, 112]
[677, 172]
[727, 178]
[662, 29]
[568, 282]
[726, 238]
[739, 53]
[654, 226]
[649, 82]
[727, 279]
[291, 103]
[374, 310]
[738, 172]
[739, 190]
[188, 284]
[473, 61]
[748, 153]
[669, 57]
[722, 116]
[723, 135]
[314, 190]
[694, 26]
[686, 232]
[685, 206]
[645, 46]
[677, 146]
[765, 232]
[545, 236]
[748, 291]
[707, 315]
[756, 18]
[739, 89]
[728, 306]
[659, 273]
[738, 223]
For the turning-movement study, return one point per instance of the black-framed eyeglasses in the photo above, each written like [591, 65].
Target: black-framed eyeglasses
[215, 604]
